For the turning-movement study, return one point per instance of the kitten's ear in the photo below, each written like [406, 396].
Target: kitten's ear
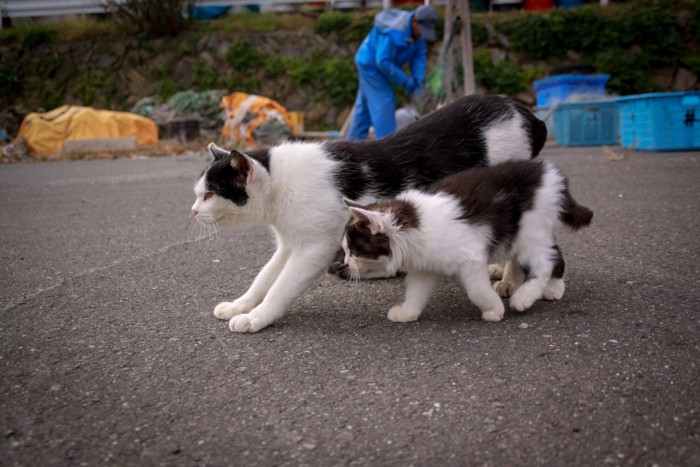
[374, 218]
[351, 204]
[217, 152]
[356, 212]
[243, 164]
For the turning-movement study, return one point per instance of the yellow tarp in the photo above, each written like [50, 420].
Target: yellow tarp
[239, 107]
[46, 132]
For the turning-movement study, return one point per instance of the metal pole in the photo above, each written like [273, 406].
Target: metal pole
[467, 53]
[449, 53]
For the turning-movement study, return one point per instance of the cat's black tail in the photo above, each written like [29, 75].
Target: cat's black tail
[573, 214]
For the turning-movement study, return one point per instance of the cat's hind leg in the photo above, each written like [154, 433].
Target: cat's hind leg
[512, 278]
[305, 265]
[419, 287]
[537, 264]
[475, 279]
[555, 287]
[496, 271]
[257, 291]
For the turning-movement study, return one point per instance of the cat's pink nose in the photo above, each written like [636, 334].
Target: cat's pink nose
[195, 212]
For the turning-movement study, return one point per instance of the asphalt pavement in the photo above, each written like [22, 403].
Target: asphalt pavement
[110, 353]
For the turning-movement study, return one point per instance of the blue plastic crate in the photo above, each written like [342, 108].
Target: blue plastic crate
[660, 121]
[586, 123]
[559, 88]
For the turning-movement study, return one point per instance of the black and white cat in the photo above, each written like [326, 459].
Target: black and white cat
[298, 188]
[465, 222]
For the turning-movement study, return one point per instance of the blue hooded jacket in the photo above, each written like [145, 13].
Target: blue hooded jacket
[390, 45]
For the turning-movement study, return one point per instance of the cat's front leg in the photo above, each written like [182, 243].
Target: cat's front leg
[302, 269]
[475, 279]
[539, 262]
[419, 287]
[257, 291]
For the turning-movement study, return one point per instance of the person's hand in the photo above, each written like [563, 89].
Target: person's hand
[419, 90]
[411, 86]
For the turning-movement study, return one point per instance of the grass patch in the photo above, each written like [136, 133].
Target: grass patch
[257, 22]
[85, 28]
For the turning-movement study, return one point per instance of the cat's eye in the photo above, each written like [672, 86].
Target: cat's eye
[208, 195]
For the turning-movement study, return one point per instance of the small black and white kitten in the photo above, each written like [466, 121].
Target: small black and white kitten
[466, 221]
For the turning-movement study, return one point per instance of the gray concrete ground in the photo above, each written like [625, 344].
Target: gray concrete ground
[110, 354]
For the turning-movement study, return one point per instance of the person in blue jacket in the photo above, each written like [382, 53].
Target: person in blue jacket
[398, 37]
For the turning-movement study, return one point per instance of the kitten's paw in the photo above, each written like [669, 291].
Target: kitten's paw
[227, 310]
[522, 301]
[494, 314]
[505, 288]
[554, 290]
[245, 323]
[496, 271]
[400, 314]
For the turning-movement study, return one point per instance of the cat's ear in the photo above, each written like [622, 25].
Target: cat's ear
[243, 164]
[217, 152]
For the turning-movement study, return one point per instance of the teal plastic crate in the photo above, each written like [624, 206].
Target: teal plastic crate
[586, 123]
[660, 121]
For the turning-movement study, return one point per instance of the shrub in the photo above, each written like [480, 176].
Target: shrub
[339, 78]
[243, 57]
[10, 82]
[204, 75]
[332, 21]
[480, 34]
[506, 77]
[150, 17]
[626, 72]
[358, 29]
[28, 37]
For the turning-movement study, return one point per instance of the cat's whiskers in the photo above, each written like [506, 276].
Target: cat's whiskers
[354, 274]
[204, 228]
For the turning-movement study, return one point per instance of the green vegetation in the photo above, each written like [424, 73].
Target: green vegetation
[505, 77]
[257, 22]
[334, 78]
[29, 37]
[332, 21]
[622, 41]
[348, 28]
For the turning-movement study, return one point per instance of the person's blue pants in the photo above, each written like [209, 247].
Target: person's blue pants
[375, 105]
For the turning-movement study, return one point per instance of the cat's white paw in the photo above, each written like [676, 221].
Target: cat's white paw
[227, 310]
[245, 323]
[522, 300]
[505, 288]
[496, 271]
[554, 290]
[400, 314]
[494, 314]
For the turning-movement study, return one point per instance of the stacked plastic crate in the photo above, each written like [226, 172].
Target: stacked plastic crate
[575, 109]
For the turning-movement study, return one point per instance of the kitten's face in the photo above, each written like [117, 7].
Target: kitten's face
[369, 235]
[364, 250]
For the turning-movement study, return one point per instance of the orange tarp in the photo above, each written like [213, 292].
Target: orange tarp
[239, 106]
